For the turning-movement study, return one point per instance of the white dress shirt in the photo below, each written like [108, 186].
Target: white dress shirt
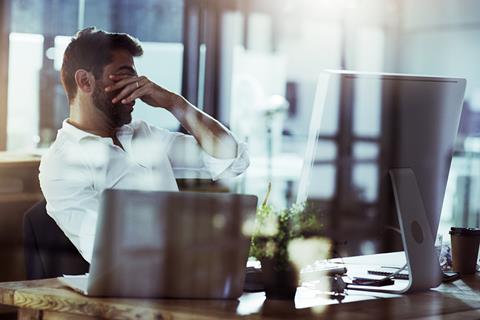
[79, 166]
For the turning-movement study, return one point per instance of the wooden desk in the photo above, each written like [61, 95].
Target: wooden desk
[48, 299]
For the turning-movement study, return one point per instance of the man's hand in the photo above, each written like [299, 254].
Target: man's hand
[134, 87]
[213, 137]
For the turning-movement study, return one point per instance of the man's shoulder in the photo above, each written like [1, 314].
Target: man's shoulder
[60, 151]
[57, 148]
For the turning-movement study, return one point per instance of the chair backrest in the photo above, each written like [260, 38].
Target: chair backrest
[48, 252]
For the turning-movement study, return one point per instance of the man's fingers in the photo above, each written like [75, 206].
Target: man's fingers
[121, 83]
[127, 90]
[136, 94]
[142, 89]
[123, 80]
[125, 94]
[117, 77]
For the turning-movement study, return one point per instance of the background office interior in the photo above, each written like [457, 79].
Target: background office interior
[253, 64]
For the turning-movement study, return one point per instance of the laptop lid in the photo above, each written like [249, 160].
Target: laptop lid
[153, 244]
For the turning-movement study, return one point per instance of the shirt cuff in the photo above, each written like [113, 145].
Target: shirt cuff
[227, 168]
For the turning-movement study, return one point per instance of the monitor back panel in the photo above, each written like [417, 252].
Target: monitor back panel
[364, 125]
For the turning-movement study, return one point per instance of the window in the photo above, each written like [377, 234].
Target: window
[39, 34]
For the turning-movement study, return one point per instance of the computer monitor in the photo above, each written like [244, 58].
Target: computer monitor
[363, 126]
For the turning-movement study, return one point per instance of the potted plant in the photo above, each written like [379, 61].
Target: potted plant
[274, 234]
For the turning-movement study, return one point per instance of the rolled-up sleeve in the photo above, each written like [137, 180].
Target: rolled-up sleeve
[188, 159]
[227, 168]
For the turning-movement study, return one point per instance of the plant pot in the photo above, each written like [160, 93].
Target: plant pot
[279, 278]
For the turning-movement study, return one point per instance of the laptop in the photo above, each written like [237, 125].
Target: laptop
[154, 244]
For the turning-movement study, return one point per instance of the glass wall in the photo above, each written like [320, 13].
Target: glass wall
[272, 56]
[263, 61]
[276, 49]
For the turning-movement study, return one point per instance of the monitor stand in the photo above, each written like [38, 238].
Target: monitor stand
[418, 240]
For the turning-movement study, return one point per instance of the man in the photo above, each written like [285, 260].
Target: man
[100, 147]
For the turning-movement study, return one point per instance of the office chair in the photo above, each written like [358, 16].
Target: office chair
[48, 252]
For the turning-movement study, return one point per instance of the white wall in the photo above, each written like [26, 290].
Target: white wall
[441, 37]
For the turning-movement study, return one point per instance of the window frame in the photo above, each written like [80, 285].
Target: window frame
[5, 13]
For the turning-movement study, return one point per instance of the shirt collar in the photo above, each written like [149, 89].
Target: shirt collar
[80, 134]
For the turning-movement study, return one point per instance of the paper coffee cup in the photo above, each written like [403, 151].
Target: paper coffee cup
[465, 244]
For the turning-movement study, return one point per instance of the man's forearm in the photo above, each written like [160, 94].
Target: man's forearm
[212, 136]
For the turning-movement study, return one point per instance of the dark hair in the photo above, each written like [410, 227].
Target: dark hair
[91, 50]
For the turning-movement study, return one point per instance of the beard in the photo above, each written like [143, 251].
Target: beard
[118, 113]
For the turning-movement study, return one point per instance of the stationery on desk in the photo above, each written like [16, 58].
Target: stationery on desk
[78, 283]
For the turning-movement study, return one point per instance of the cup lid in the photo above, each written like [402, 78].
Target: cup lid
[464, 231]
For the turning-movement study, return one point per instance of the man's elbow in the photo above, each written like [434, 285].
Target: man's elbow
[242, 162]
[226, 148]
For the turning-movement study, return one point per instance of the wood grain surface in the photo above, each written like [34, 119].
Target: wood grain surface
[48, 299]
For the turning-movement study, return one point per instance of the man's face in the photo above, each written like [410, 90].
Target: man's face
[118, 113]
